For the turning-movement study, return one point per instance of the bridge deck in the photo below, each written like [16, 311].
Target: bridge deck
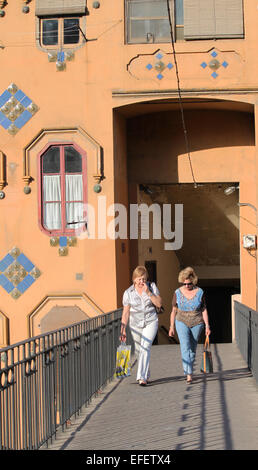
[216, 412]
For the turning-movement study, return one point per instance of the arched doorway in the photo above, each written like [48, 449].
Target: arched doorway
[151, 153]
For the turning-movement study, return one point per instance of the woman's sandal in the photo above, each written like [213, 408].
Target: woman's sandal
[189, 381]
[142, 383]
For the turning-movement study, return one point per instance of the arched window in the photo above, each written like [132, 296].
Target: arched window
[62, 189]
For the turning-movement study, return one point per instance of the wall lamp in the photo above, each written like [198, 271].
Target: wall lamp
[230, 190]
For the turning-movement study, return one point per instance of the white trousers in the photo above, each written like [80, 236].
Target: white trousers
[143, 339]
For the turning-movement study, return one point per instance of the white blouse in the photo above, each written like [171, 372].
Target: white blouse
[142, 310]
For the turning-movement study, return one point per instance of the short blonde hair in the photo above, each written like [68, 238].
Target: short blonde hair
[140, 271]
[188, 273]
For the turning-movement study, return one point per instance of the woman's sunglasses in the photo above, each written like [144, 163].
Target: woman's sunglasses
[187, 284]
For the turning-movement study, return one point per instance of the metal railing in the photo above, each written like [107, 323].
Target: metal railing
[47, 379]
[246, 327]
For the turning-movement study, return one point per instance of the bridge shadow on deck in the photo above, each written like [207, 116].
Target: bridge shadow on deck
[218, 411]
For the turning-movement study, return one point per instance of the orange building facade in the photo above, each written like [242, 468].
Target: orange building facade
[94, 101]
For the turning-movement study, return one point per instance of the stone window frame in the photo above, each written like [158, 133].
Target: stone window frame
[63, 230]
[151, 39]
[60, 46]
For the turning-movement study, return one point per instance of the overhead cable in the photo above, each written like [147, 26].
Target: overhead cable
[179, 94]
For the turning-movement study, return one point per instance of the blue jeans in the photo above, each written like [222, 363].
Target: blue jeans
[188, 338]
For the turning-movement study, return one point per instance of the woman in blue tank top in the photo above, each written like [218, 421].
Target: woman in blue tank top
[189, 315]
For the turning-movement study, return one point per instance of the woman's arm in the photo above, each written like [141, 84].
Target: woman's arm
[124, 321]
[206, 321]
[156, 299]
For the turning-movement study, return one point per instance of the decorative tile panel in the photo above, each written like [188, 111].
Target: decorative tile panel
[16, 109]
[17, 273]
[214, 64]
[63, 242]
[159, 66]
[60, 58]
[196, 68]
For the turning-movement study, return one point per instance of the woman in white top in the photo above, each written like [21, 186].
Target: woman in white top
[139, 302]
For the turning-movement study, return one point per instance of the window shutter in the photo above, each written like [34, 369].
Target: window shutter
[213, 19]
[199, 19]
[60, 7]
[229, 18]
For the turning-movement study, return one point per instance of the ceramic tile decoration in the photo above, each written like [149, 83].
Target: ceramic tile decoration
[159, 66]
[17, 273]
[16, 109]
[214, 64]
[63, 243]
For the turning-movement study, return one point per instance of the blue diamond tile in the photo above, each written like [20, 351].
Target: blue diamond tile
[25, 284]
[60, 56]
[149, 66]
[214, 54]
[2, 117]
[26, 101]
[63, 241]
[203, 65]
[224, 64]
[6, 123]
[5, 262]
[170, 66]
[22, 119]
[19, 95]
[159, 55]
[4, 97]
[6, 284]
[25, 262]
[214, 75]
[160, 76]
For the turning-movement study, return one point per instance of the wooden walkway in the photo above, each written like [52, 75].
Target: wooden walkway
[216, 412]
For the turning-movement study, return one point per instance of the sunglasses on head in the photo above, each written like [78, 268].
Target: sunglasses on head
[187, 284]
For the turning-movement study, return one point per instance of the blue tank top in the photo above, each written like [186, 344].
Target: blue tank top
[188, 305]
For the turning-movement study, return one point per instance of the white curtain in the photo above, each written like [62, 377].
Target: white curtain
[52, 210]
[74, 213]
[52, 216]
[73, 188]
[74, 192]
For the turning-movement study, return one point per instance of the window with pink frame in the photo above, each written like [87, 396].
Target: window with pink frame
[62, 189]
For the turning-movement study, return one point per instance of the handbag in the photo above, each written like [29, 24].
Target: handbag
[123, 358]
[159, 310]
[207, 364]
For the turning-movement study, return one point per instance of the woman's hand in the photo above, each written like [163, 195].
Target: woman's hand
[171, 331]
[122, 337]
[207, 330]
[145, 288]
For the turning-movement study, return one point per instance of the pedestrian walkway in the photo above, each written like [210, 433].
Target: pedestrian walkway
[216, 412]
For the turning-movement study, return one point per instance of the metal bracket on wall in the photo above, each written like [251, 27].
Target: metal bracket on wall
[3, 181]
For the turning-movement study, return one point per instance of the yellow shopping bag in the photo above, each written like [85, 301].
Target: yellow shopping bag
[123, 357]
